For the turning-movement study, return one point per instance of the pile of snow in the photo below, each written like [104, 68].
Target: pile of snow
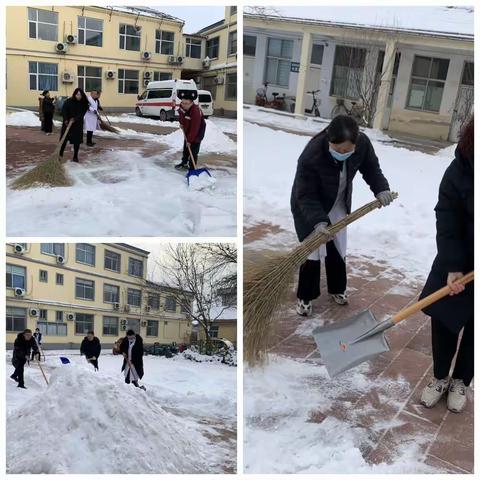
[215, 140]
[22, 119]
[132, 118]
[230, 357]
[87, 422]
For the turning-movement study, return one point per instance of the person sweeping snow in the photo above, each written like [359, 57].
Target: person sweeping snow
[132, 351]
[91, 348]
[73, 112]
[91, 117]
[193, 125]
[455, 256]
[24, 344]
[322, 195]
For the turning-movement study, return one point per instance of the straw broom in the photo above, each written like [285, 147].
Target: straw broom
[50, 172]
[265, 286]
[108, 127]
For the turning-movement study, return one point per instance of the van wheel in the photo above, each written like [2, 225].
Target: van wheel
[163, 115]
[138, 112]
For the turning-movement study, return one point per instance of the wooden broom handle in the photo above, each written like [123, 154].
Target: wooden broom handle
[427, 301]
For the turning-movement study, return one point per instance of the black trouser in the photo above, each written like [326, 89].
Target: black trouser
[195, 148]
[444, 347]
[94, 362]
[36, 354]
[89, 137]
[309, 277]
[76, 148]
[47, 124]
[18, 373]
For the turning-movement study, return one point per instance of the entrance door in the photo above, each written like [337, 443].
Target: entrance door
[464, 103]
[133, 324]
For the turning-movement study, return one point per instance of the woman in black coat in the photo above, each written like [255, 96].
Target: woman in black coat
[455, 257]
[48, 109]
[322, 195]
[73, 111]
[132, 351]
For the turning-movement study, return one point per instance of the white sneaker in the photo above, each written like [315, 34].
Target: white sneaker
[457, 395]
[304, 308]
[434, 391]
[340, 298]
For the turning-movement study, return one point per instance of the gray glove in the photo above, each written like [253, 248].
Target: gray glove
[322, 228]
[385, 198]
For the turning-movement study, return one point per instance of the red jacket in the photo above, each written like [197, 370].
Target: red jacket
[193, 123]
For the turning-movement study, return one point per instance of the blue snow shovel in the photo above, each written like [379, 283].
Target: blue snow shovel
[196, 172]
[64, 360]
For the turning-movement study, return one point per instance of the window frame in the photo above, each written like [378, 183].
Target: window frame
[278, 59]
[92, 287]
[189, 44]
[150, 324]
[246, 52]
[117, 326]
[126, 35]
[232, 42]
[117, 292]
[85, 262]
[14, 317]
[37, 22]
[57, 276]
[86, 29]
[37, 76]
[12, 275]
[132, 259]
[217, 46]
[228, 85]
[43, 276]
[160, 42]
[122, 79]
[130, 291]
[167, 298]
[84, 79]
[350, 68]
[84, 320]
[119, 257]
[53, 254]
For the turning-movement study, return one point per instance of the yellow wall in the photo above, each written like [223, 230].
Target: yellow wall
[173, 326]
[227, 329]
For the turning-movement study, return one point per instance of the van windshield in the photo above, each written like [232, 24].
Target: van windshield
[204, 98]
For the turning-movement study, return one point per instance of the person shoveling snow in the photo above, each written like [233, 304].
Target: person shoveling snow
[22, 348]
[132, 351]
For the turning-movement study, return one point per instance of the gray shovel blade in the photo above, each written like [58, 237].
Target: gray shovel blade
[333, 342]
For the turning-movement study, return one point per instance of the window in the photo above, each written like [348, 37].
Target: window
[232, 43]
[43, 76]
[59, 278]
[83, 323]
[53, 329]
[427, 83]
[53, 248]
[43, 314]
[134, 297]
[204, 98]
[43, 276]
[110, 326]
[135, 267]
[89, 78]
[59, 316]
[130, 37]
[467, 75]
[170, 304]
[193, 47]
[279, 59]
[152, 328]
[90, 31]
[213, 331]
[210, 85]
[316, 58]
[154, 300]
[347, 72]
[161, 93]
[111, 293]
[157, 76]
[212, 47]
[85, 253]
[42, 24]
[233, 10]
[16, 320]
[127, 81]
[249, 45]
[16, 276]
[231, 86]
[185, 308]
[112, 261]
[164, 42]
[84, 289]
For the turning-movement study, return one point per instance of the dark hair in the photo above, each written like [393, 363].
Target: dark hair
[342, 129]
[130, 332]
[90, 332]
[27, 330]
[44, 93]
[37, 329]
[84, 98]
[466, 141]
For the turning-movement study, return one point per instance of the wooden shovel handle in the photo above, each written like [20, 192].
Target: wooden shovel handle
[432, 298]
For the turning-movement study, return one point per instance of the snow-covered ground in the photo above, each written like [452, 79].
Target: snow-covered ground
[128, 194]
[92, 422]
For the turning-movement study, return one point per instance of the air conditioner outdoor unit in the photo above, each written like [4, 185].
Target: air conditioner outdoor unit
[146, 55]
[206, 62]
[144, 324]
[123, 321]
[116, 306]
[172, 59]
[60, 259]
[148, 75]
[71, 39]
[70, 317]
[219, 80]
[110, 74]
[148, 308]
[123, 327]
[19, 249]
[126, 308]
[19, 292]
[145, 82]
[61, 47]
[68, 77]
[179, 59]
[34, 312]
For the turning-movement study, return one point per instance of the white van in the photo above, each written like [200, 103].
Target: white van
[160, 99]
[205, 102]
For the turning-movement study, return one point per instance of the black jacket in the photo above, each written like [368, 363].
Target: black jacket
[38, 337]
[137, 354]
[455, 243]
[22, 349]
[74, 109]
[90, 348]
[316, 182]
[47, 106]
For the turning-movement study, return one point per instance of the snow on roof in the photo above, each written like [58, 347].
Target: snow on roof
[145, 12]
[228, 313]
[454, 21]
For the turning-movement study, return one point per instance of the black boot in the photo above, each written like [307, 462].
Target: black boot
[182, 165]
[21, 386]
[75, 159]
[13, 377]
[91, 144]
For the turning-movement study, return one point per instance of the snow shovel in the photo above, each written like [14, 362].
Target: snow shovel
[43, 373]
[361, 337]
[134, 378]
[65, 360]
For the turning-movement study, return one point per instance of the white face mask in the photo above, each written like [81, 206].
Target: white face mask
[341, 157]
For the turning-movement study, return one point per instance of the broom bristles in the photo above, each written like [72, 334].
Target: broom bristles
[107, 127]
[266, 284]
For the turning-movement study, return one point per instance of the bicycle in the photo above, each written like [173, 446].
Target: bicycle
[261, 99]
[356, 111]
[315, 110]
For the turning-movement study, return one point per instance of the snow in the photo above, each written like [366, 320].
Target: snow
[92, 422]
[388, 234]
[23, 119]
[429, 19]
[223, 313]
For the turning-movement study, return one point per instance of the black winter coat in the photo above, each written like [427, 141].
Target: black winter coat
[90, 348]
[137, 354]
[316, 182]
[22, 349]
[47, 106]
[74, 109]
[455, 244]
